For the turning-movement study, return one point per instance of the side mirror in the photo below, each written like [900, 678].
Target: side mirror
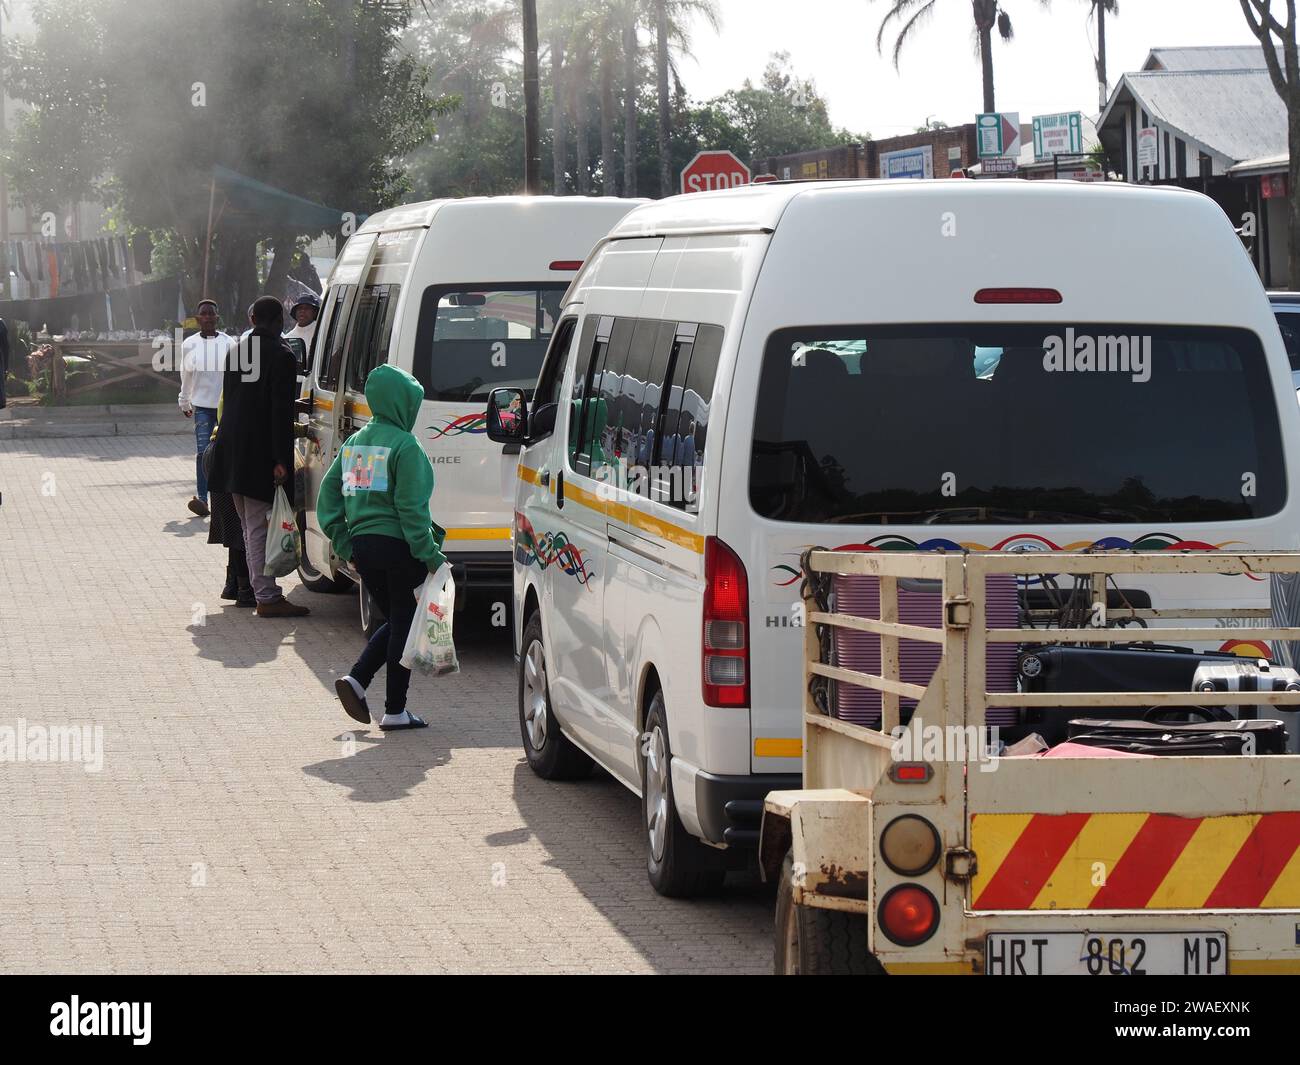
[299, 348]
[507, 416]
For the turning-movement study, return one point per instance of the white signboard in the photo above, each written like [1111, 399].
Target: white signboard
[1058, 135]
[908, 163]
[997, 133]
[1149, 147]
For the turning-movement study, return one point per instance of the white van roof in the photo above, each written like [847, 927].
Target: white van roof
[758, 208]
[409, 215]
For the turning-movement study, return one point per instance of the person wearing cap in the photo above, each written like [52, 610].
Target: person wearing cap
[203, 364]
[304, 312]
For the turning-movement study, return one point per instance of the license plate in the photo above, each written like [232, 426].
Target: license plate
[1106, 954]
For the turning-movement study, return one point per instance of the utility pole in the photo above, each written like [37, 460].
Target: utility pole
[532, 146]
[4, 145]
[1102, 88]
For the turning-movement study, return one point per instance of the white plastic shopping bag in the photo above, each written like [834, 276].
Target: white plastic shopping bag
[429, 645]
[283, 549]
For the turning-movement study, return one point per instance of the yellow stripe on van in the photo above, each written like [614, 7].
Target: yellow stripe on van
[478, 534]
[666, 530]
[778, 747]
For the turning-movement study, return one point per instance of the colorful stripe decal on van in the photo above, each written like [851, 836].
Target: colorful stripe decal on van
[648, 523]
[1136, 861]
[549, 549]
[473, 424]
[778, 747]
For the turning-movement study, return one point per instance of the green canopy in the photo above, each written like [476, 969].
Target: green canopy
[250, 196]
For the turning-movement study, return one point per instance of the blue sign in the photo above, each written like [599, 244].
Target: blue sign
[908, 163]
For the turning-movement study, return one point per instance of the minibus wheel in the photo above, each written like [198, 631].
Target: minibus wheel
[550, 753]
[312, 579]
[678, 864]
[371, 616]
[810, 941]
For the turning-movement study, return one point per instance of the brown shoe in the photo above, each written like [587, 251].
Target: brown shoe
[281, 608]
[197, 506]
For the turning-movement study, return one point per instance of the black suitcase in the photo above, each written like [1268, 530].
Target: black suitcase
[1063, 668]
[1163, 738]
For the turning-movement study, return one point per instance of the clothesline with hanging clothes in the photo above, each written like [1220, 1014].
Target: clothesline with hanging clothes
[51, 269]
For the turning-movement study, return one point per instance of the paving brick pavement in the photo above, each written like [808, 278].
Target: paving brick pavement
[240, 821]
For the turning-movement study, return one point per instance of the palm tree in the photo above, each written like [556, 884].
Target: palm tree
[532, 105]
[671, 19]
[987, 14]
[1100, 9]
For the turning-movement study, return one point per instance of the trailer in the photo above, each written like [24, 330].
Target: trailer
[915, 848]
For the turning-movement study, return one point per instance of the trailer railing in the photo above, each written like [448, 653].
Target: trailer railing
[957, 694]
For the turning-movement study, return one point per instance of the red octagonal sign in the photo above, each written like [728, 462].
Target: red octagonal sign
[714, 170]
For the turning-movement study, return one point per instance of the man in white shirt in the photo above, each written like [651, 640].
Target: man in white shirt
[304, 311]
[203, 365]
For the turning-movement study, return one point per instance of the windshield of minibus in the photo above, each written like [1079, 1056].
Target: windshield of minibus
[1004, 424]
[472, 339]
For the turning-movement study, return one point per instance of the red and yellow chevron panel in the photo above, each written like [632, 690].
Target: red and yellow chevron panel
[1118, 861]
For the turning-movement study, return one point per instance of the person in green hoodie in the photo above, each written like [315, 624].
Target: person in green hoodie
[374, 507]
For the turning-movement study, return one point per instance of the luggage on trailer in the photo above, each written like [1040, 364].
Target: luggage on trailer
[1162, 738]
[1064, 668]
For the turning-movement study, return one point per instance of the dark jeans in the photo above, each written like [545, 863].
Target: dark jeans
[393, 579]
[205, 420]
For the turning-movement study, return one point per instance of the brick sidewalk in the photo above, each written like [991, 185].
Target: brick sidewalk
[241, 821]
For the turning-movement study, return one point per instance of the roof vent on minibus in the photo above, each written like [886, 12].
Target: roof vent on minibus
[1017, 295]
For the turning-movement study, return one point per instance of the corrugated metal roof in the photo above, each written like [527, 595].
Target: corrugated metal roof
[1236, 113]
[1208, 57]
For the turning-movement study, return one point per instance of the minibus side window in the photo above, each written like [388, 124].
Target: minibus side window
[654, 396]
[629, 440]
[595, 342]
[547, 393]
[359, 333]
[686, 414]
[603, 417]
[331, 356]
[370, 349]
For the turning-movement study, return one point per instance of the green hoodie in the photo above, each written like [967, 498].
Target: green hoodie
[381, 480]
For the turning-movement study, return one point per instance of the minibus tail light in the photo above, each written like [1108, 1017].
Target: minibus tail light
[566, 264]
[725, 636]
[1017, 295]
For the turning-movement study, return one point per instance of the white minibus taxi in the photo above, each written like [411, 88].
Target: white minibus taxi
[464, 294]
[738, 376]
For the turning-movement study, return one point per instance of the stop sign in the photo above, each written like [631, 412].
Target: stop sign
[714, 170]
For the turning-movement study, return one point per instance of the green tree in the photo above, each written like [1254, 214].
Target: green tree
[783, 114]
[987, 15]
[242, 86]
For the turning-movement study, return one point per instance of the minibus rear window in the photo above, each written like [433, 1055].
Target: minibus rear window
[1015, 424]
[473, 338]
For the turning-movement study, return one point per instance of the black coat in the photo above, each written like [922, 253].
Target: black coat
[257, 417]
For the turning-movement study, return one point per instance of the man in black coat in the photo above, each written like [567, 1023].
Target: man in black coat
[254, 451]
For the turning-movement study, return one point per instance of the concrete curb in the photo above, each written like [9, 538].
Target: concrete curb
[153, 419]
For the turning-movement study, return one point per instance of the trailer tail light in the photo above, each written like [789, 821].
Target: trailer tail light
[909, 915]
[910, 845]
[725, 636]
[1017, 295]
[566, 264]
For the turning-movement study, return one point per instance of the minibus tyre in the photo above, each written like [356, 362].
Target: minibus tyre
[557, 757]
[810, 941]
[311, 578]
[685, 867]
[372, 618]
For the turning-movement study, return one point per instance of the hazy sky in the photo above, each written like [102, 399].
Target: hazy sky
[1047, 68]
